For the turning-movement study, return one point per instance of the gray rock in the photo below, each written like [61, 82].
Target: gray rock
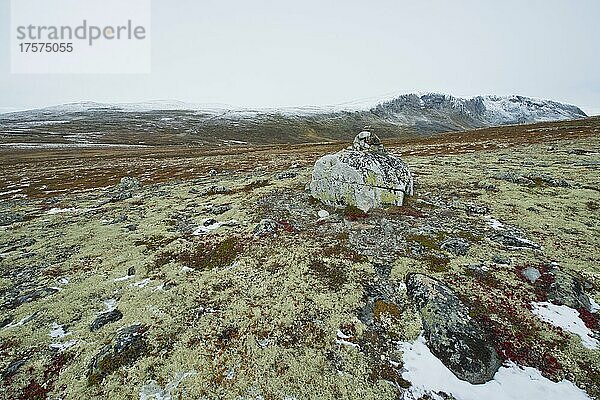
[219, 209]
[125, 189]
[364, 176]
[456, 246]
[514, 242]
[106, 318]
[129, 345]
[567, 290]
[13, 368]
[451, 334]
[9, 218]
[513, 177]
[532, 274]
[266, 227]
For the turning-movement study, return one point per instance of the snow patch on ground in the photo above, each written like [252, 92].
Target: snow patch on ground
[58, 331]
[567, 319]
[153, 391]
[428, 375]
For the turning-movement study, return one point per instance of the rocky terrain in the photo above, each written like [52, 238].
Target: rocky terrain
[171, 272]
[175, 123]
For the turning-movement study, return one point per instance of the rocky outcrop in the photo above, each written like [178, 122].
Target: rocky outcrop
[129, 345]
[451, 334]
[363, 175]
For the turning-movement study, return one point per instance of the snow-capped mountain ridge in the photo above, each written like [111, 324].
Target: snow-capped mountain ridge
[178, 122]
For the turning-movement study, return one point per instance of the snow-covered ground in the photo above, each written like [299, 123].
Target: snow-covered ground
[428, 375]
[567, 319]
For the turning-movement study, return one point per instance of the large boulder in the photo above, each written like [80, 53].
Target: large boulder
[451, 334]
[364, 175]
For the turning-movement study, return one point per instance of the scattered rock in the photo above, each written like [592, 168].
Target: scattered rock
[266, 227]
[514, 178]
[452, 335]
[212, 172]
[130, 271]
[214, 190]
[456, 246]
[514, 242]
[106, 318]
[29, 297]
[129, 345]
[125, 189]
[363, 175]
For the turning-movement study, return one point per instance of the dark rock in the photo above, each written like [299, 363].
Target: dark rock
[220, 209]
[106, 318]
[13, 368]
[31, 296]
[498, 259]
[214, 190]
[567, 290]
[383, 270]
[286, 175]
[456, 246]
[452, 335]
[266, 227]
[131, 271]
[129, 345]
[209, 222]
[5, 321]
[515, 242]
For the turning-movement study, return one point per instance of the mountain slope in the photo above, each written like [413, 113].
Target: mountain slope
[166, 122]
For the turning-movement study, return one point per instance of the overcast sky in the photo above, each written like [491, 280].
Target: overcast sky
[259, 53]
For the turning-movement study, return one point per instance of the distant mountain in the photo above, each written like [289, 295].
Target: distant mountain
[167, 122]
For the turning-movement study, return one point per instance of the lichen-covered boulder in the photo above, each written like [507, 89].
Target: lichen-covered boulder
[452, 335]
[363, 175]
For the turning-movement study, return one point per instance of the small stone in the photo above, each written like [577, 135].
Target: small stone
[498, 259]
[323, 214]
[531, 274]
[131, 271]
[286, 175]
[266, 227]
[212, 172]
[209, 222]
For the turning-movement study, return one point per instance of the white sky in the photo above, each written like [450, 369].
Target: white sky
[262, 53]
